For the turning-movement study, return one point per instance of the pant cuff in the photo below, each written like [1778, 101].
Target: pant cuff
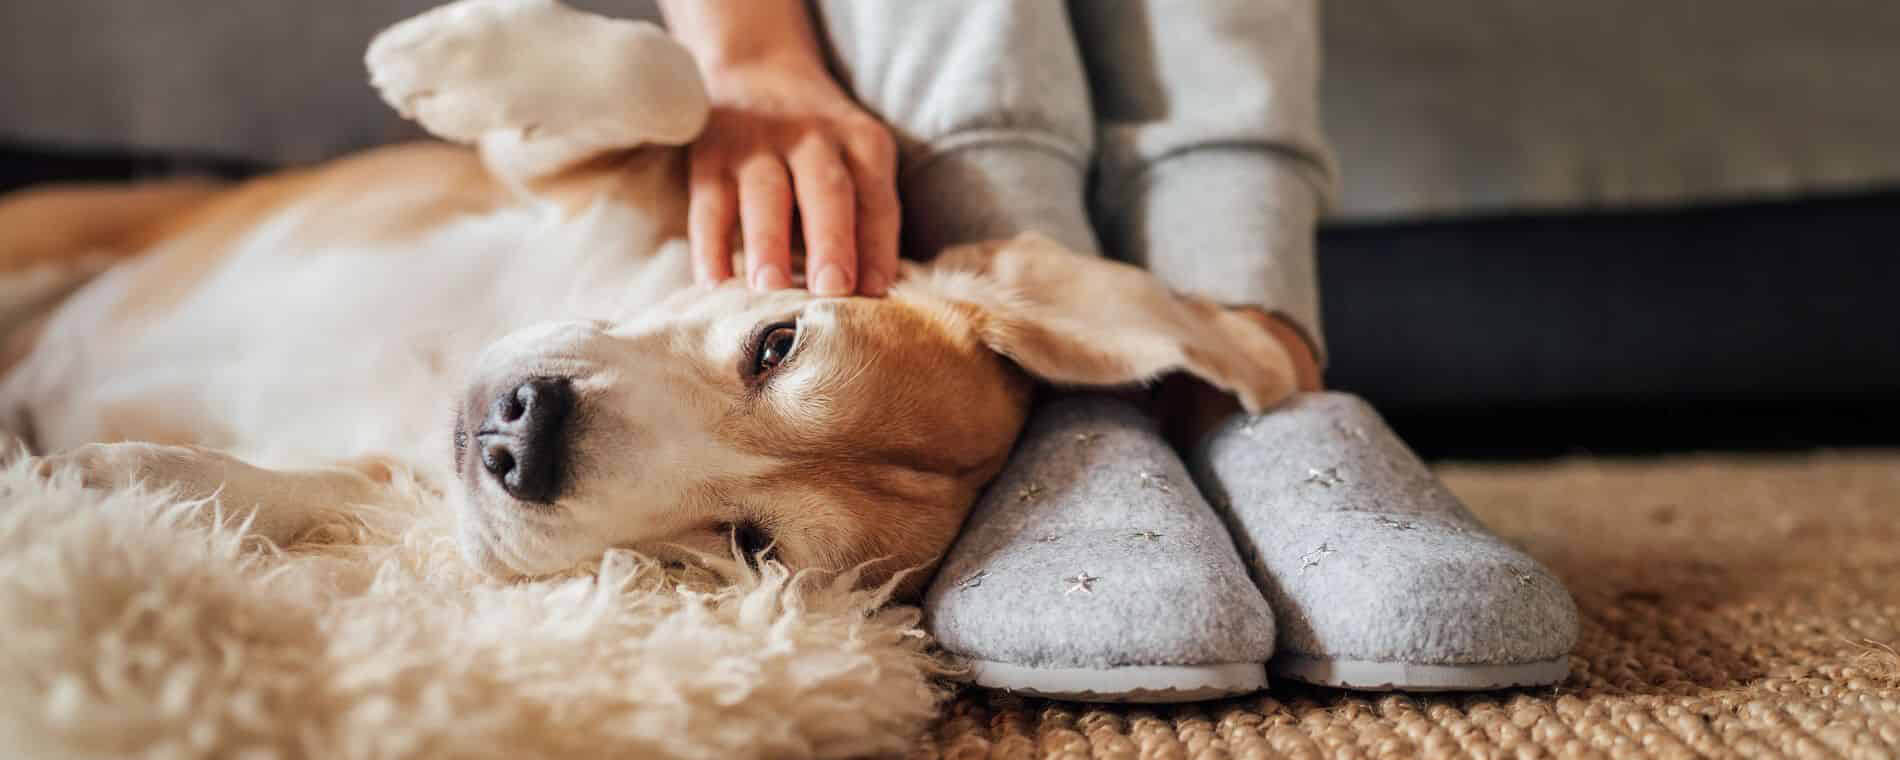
[1234, 226]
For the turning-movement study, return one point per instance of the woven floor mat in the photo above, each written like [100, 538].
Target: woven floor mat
[1733, 606]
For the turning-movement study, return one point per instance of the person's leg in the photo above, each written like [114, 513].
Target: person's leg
[1211, 168]
[1092, 568]
[1212, 173]
[990, 109]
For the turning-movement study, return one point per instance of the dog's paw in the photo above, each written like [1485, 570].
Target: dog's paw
[266, 502]
[538, 85]
[189, 471]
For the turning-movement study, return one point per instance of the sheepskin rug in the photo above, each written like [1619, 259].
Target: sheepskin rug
[130, 628]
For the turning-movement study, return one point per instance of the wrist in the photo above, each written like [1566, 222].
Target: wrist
[729, 38]
[719, 61]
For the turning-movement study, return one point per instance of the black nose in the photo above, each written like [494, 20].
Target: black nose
[523, 440]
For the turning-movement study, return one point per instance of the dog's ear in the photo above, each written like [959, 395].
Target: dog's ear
[1073, 319]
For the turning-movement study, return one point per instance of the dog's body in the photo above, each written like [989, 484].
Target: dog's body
[377, 279]
[517, 326]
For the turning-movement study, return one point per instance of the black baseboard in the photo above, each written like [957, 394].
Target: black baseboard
[24, 165]
[1527, 433]
[1745, 326]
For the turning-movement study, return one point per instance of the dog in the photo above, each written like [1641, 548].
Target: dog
[512, 320]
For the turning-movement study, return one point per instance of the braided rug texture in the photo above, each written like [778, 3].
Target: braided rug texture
[1733, 606]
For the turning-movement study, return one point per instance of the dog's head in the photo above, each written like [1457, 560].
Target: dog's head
[831, 431]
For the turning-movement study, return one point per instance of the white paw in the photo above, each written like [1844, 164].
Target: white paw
[536, 84]
[267, 500]
[189, 471]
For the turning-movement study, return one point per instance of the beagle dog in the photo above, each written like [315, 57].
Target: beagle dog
[513, 322]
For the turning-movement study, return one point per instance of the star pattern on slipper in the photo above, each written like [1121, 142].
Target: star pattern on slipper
[1350, 430]
[1311, 559]
[1029, 491]
[1080, 583]
[1145, 535]
[972, 580]
[1332, 508]
[1087, 439]
[1156, 481]
[1326, 478]
[1048, 538]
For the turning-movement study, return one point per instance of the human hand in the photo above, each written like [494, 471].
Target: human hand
[783, 135]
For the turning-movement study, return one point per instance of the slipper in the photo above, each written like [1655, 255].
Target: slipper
[1092, 569]
[1378, 576]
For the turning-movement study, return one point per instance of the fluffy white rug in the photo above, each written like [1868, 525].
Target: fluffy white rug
[127, 630]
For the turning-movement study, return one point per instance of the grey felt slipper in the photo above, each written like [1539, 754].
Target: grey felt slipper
[1092, 569]
[1378, 575]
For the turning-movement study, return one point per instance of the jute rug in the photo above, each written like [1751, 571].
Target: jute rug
[1733, 606]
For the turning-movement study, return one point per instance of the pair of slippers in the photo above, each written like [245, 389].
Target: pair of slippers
[1309, 540]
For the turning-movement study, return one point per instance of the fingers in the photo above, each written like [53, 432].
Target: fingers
[872, 157]
[712, 209]
[835, 174]
[827, 205]
[765, 220]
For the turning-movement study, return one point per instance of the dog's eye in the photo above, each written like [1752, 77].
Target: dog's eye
[753, 541]
[774, 346]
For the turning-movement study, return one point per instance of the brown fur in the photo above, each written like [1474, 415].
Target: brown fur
[60, 223]
[339, 203]
[889, 458]
[643, 178]
[72, 233]
[21, 340]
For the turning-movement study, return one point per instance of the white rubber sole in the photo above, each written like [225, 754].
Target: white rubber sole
[1150, 684]
[1399, 676]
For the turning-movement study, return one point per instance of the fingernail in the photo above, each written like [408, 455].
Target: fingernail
[831, 281]
[770, 277]
[874, 284]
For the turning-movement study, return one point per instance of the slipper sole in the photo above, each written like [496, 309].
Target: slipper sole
[1366, 675]
[1150, 684]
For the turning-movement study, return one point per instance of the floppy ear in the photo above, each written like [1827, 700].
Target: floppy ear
[1073, 319]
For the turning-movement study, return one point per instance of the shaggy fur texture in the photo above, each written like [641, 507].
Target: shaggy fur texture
[132, 630]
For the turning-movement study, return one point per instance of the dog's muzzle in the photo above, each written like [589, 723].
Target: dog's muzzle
[523, 441]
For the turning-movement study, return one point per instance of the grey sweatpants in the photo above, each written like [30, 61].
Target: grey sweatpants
[1197, 121]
